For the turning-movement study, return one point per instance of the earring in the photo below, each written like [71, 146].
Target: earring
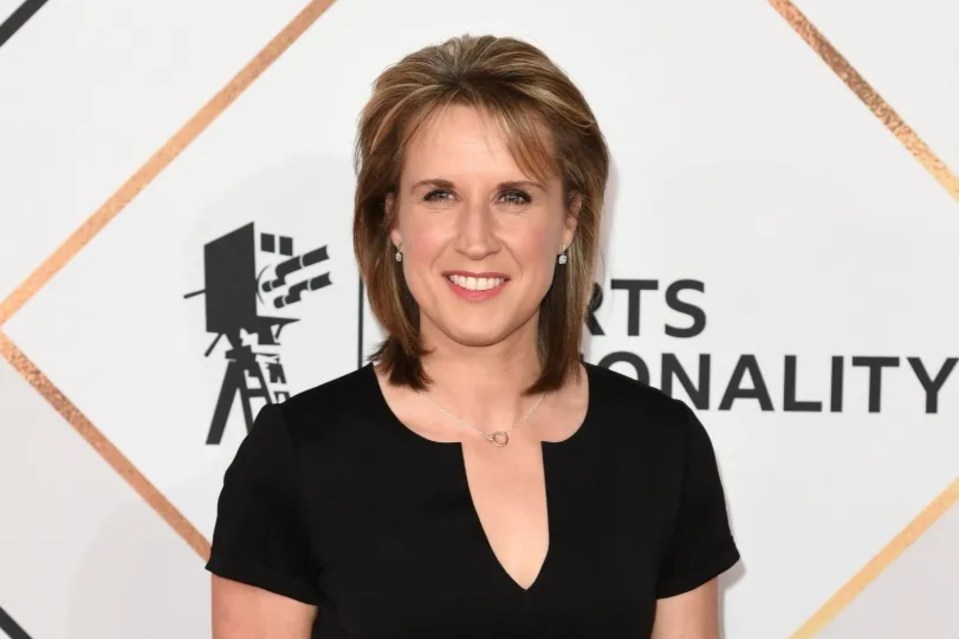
[562, 259]
[399, 255]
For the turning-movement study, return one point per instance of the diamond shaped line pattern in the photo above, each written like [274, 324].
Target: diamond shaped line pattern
[161, 159]
[226, 96]
[938, 169]
[94, 224]
[870, 97]
[888, 554]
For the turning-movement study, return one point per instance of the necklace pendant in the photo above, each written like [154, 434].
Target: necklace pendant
[499, 438]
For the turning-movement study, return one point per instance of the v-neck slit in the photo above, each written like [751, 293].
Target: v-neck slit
[477, 523]
[551, 485]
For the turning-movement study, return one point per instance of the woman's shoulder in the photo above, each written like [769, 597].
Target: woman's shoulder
[629, 397]
[322, 409]
[634, 412]
[640, 419]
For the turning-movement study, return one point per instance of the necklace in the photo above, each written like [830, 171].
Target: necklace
[498, 438]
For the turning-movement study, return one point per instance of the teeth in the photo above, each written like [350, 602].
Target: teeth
[477, 283]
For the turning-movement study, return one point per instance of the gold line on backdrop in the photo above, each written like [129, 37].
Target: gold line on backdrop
[868, 95]
[95, 223]
[161, 159]
[938, 169]
[229, 93]
[915, 529]
[102, 445]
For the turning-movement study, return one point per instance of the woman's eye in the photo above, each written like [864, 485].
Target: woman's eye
[516, 197]
[434, 196]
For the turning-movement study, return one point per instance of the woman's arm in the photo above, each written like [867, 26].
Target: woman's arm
[689, 615]
[241, 611]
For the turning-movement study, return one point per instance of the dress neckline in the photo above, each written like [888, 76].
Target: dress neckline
[554, 458]
[574, 438]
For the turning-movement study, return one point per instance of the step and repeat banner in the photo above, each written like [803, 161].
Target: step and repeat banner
[780, 250]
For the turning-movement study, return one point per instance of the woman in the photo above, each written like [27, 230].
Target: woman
[475, 479]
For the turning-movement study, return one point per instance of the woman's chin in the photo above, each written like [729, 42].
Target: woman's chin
[478, 338]
[477, 329]
[482, 334]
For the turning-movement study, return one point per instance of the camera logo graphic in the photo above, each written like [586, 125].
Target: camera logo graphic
[235, 293]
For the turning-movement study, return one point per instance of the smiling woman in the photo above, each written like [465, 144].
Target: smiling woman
[409, 498]
[484, 211]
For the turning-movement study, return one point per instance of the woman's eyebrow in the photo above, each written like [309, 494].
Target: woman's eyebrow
[434, 182]
[446, 184]
[520, 184]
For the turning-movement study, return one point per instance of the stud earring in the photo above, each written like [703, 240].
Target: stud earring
[562, 259]
[399, 255]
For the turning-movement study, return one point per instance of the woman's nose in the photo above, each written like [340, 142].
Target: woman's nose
[476, 231]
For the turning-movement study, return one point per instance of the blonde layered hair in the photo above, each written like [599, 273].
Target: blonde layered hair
[549, 130]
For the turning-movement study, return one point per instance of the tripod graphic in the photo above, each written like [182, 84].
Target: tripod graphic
[232, 288]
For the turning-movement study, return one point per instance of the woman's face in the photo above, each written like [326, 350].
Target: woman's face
[479, 237]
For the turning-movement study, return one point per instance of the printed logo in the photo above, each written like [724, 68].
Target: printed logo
[235, 295]
[748, 381]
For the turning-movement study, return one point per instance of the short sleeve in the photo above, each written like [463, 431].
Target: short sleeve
[260, 536]
[701, 545]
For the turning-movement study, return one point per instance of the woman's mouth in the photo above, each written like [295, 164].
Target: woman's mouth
[476, 289]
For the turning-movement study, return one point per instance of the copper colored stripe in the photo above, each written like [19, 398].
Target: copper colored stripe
[161, 159]
[871, 98]
[877, 564]
[102, 445]
[868, 95]
[841, 67]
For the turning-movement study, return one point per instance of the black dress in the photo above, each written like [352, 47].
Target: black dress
[332, 501]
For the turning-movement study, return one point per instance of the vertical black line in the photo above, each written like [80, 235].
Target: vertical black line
[19, 18]
[359, 332]
[9, 626]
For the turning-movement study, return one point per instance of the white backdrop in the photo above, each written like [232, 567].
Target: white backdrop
[746, 175]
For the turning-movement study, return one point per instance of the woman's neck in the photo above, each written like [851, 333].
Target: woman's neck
[483, 385]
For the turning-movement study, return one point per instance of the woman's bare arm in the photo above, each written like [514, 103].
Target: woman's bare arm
[690, 615]
[241, 611]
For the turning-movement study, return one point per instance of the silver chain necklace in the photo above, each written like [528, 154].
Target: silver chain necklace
[498, 438]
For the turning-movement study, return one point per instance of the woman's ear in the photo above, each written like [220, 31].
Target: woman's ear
[389, 201]
[389, 212]
[573, 206]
